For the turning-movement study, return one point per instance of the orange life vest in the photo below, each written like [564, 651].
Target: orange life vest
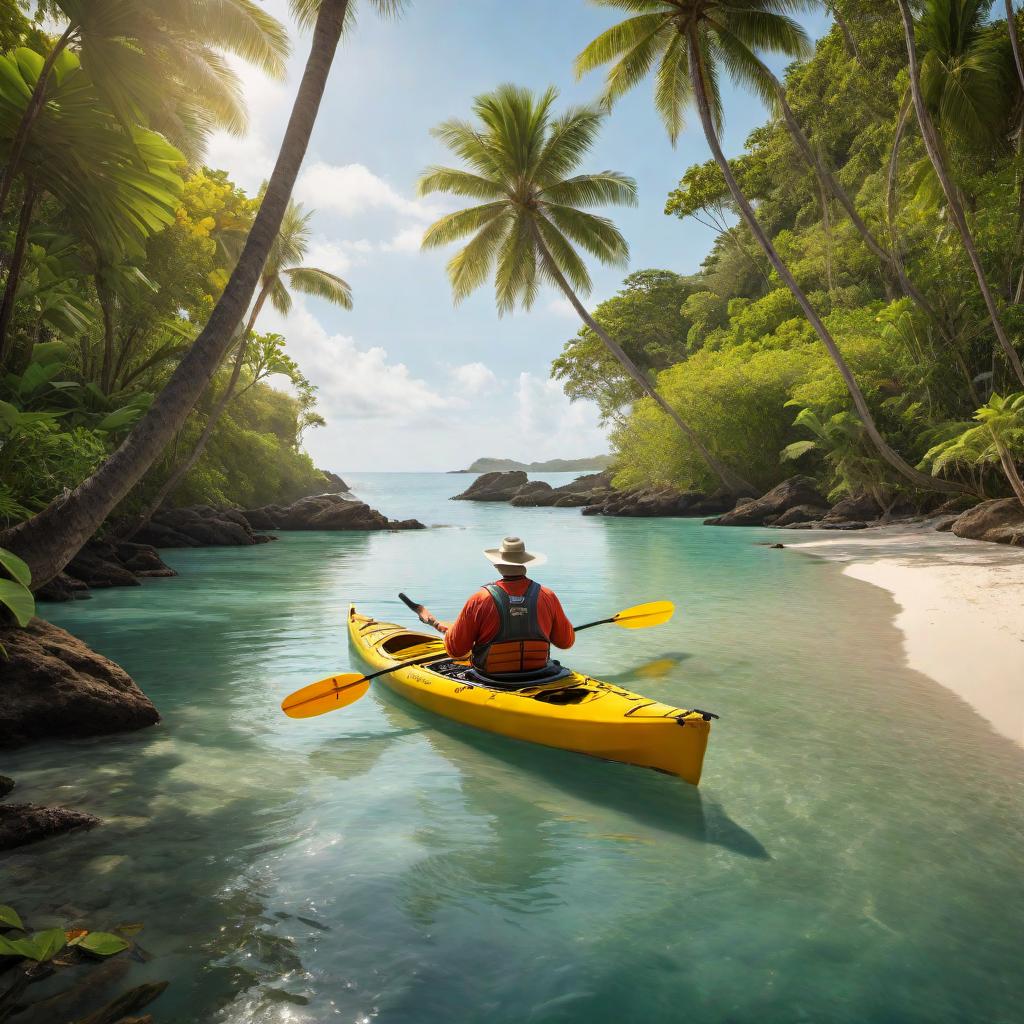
[519, 645]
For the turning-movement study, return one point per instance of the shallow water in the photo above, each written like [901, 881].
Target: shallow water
[852, 855]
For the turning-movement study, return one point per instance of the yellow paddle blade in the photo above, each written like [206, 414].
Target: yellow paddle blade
[640, 616]
[326, 695]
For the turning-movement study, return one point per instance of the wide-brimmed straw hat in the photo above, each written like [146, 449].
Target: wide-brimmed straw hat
[512, 558]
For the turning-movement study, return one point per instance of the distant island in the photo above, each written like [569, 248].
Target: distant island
[591, 465]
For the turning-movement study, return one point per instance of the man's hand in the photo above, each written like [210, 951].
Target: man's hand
[428, 619]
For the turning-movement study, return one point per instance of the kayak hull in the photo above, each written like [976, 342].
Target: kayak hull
[578, 714]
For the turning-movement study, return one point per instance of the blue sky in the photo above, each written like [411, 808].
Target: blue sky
[407, 380]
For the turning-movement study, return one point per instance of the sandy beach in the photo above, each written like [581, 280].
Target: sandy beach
[961, 608]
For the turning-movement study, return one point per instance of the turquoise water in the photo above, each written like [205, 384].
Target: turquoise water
[853, 853]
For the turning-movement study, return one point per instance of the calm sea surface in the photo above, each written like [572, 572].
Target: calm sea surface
[854, 853]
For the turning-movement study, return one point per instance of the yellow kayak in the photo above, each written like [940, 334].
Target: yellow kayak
[575, 713]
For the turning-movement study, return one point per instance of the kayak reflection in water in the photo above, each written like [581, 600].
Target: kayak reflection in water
[507, 627]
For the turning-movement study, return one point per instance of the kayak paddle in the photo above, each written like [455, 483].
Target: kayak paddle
[339, 691]
[640, 616]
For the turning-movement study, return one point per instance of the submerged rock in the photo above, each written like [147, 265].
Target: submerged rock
[28, 823]
[791, 493]
[1000, 521]
[53, 685]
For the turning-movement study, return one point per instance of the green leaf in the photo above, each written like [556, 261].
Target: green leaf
[8, 915]
[102, 943]
[19, 600]
[21, 573]
[41, 947]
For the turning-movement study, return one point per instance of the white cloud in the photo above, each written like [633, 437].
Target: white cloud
[550, 426]
[406, 240]
[356, 383]
[351, 189]
[333, 256]
[473, 378]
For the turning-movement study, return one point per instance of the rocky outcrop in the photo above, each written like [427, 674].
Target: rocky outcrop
[337, 485]
[801, 514]
[766, 510]
[198, 527]
[494, 487]
[324, 512]
[28, 823]
[6, 785]
[578, 493]
[859, 508]
[102, 564]
[661, 502]
[53, 685]
[1000, 521]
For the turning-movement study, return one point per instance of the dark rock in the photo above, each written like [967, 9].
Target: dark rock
[28, 823]
[336, 483]
[777, 545]
[325, 512]
[857, 506]
[797, 490]
[844, 525]
[143, 560]
[534, 493]
[53, 685]
[6, 785]
[801, 514]
[1000, 521]
[659, 502]
[62, 588]
[494, 487]
[957, 504]
[97, 565]
[946, 525]
[203, 526]
[263, 518]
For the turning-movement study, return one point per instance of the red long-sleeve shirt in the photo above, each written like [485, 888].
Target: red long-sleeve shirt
[478, 622]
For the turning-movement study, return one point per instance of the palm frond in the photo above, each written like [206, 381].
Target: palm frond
[515, 277]
[470, 266]
[601, 189]
[320, 284]
[565, 258]
[673, 89]
[458, 183]
[598, 235]
[280, 298]
[454, 226]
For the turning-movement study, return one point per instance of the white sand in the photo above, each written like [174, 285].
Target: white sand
[962, 608]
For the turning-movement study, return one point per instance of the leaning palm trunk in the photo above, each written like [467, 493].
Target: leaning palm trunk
[17, 264]
[1010, 469]
[931, 144]
[173, 482]
[28, 118]
[698, 83]
[49, 540]
[1011, 27]
[731, 480]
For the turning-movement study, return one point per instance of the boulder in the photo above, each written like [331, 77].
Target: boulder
[579, 493]
[957, 504]
[797, 490]
[199, 526]
[801, 514]
[337, 485]
[6, 785]
[534, 493]
[861, 507]
[494, 487]
[659, 502]
[97, 565]
[324, 512]
[62, 588]
[946, 525]
[53, 685]
[28, 823]
[1000, 521]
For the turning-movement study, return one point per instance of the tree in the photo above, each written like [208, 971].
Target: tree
[50, 539]
[520, 158]
[997, 438]
[281, 270]
[686, 38]
[158, 65]
[953, 27]
[1011, 28]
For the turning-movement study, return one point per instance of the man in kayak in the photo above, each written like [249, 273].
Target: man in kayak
[507, 627]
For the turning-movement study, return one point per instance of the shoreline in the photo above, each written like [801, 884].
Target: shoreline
[961, 609]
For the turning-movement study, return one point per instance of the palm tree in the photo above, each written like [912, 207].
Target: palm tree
[955, 27]
[283, 268]
[161, 64]
[1011, 27]
[50, 539]
[685, 37]
[520, 158]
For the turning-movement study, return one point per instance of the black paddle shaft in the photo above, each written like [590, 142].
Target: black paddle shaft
[418, 608]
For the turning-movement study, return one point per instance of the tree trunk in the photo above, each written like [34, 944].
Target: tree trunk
[179, 472]
[844, 27]
[106, 300]
[1011, 27]
[35, 104]
[698, 82]
[931, 144]
[731, 480]
[14, 272]
[1010, 469]
[50, 539]
[892, 176]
